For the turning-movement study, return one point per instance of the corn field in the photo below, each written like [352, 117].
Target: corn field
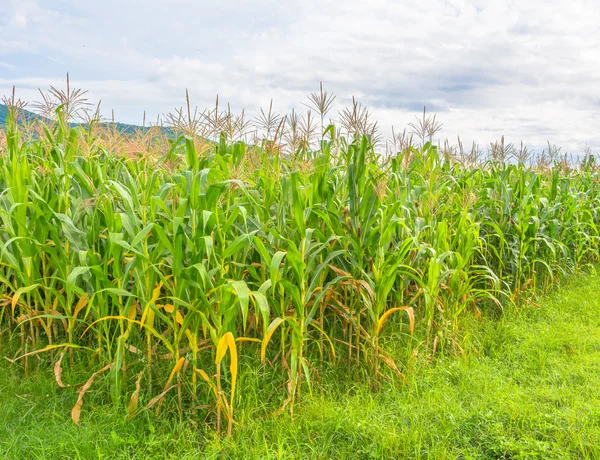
[161, 273]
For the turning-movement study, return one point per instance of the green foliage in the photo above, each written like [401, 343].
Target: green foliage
[154, 272]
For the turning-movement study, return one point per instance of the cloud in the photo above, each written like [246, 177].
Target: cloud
[524, 69]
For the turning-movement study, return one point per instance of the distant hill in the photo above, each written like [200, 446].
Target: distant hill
[28, 115]
[4, 115]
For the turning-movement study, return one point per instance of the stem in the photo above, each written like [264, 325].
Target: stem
[219, 396]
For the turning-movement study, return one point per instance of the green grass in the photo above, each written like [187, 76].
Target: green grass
[532, 392]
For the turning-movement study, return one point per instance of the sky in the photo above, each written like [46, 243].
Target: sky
[528, 70]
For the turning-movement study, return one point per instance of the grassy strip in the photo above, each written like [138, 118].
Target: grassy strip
[531, 393]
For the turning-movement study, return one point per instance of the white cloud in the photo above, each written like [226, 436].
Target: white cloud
[524, 69]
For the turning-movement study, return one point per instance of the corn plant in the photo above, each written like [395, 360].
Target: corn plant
[154, 269]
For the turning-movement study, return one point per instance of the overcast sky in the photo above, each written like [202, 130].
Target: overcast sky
[527, 69]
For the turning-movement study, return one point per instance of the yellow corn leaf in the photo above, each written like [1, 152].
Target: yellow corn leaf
[50, 347]
[83, 300]
[392, 365]
[279, 411]
[234, 363]
[179, 318]
[339, 271]
[58, 371]
[156, 292]
[193, 340]
[170, 308]
[272, 327]
[386, 315]
[175, 369]
[62, 320]
[22, 318]
[149, 328]
[154, 400]
[132, 312]
[148, 310]
[76, 411]
[204, 375]
[211, 384]
[248, 339]
[19, 293]
[222, 348]
[133, 349]
[135, 397]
